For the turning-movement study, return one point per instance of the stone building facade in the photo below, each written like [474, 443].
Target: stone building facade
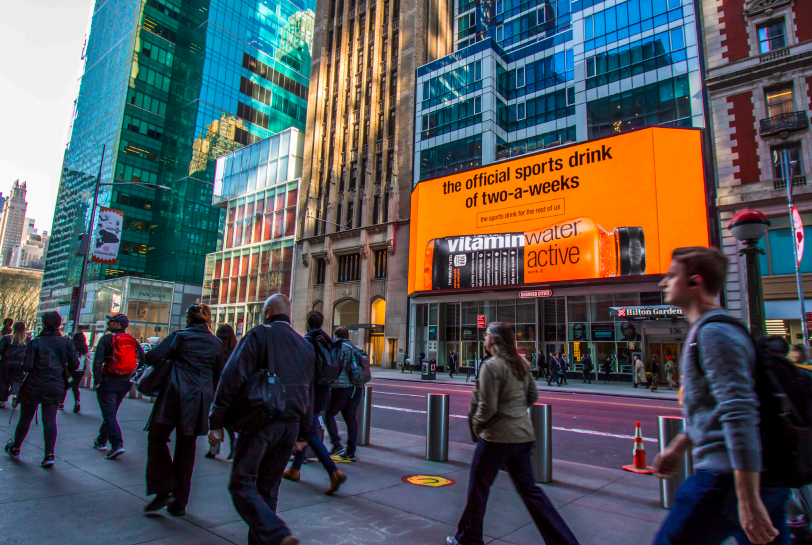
[759, 82]
[357, 178]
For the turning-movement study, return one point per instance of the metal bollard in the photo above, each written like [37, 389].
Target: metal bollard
[134, 394]
[437, 428]
[364, 416]
[541, 414]
[669, 427]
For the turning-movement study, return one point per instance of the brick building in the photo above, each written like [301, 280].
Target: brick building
[759, 82]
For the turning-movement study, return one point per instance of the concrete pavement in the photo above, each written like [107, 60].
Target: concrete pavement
[85, 499]
[575, 385]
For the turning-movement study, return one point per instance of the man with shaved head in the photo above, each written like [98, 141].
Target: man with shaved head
[260, 458]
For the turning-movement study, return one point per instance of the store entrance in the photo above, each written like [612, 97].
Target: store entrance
[664, 346]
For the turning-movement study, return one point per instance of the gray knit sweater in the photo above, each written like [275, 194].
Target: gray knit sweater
[719, 401]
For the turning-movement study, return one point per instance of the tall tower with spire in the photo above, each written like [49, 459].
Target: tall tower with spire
[11, 228]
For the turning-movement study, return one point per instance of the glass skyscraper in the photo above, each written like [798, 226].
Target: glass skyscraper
[168, 87]
[532, 75]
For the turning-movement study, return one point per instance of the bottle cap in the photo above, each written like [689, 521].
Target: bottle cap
[631, 251]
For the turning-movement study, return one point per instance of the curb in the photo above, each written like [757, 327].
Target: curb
[559, 390]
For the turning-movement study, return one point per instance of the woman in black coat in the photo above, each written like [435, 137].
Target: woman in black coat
[12, 353]
[229, 340]
[183, 406]
[48, 361]
[607, 369]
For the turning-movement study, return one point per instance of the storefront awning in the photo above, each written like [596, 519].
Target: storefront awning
[647, 312]
[786, 309]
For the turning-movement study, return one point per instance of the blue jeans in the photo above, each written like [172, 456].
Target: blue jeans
[259, 461]
[314, 442]
[345, 401]
[488, 458]
[110, 395]
[706, 512]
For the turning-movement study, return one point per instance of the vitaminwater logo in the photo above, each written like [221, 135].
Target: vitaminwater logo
[485, 242]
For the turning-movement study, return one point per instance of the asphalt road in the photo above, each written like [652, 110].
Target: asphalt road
[588, 429]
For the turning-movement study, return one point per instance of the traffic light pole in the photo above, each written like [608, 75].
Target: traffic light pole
[78, 304]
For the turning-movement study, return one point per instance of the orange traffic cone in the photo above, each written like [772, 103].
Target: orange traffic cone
[639, 465]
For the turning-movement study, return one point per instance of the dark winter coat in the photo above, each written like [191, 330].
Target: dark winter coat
[555, 366]
[197, 361]
[587, 363]
[11, 361]
[607, 366]
[321, 393]
[46, 359]
[276, 346]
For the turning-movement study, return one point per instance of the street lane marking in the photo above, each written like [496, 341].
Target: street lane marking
[435, 387]
[571, 430]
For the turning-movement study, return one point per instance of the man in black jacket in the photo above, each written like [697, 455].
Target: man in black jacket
[586, 363]
[111, 389]
[260, 458]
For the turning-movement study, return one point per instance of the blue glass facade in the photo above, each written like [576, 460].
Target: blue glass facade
[553, 72]
[168, 87]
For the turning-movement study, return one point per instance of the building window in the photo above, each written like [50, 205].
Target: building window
[320, 268]
[349, 268]
[380, 263]
[779, 256]
[771, 36]
[350, 218]
[779, 101]
[795, 166]
[338, 217]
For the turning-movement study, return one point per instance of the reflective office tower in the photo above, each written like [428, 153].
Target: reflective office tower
[356, 181]
[168, 87]
[258, 186]
[526, 76]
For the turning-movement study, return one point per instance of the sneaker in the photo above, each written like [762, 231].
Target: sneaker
[290, 540]
[48, 461]
[175, 510]
[99, 446]
[337, 448]
[10, 450]
[61, 406]
[159, 502]
[347, 456]
[76, 408]
[210, 456]
[114, 452]
[451, 540]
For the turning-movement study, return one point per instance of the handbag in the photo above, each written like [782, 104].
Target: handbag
[261, 399]
[151, 379]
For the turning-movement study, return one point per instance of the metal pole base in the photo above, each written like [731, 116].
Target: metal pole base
[669, 427]
[541, 415]
[364, 416]
[437, 428]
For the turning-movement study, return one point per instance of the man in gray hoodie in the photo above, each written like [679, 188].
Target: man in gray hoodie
[725, 497]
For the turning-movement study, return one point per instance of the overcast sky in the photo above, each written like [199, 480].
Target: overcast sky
[41, 41]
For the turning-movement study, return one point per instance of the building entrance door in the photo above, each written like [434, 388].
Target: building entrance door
[663, 347]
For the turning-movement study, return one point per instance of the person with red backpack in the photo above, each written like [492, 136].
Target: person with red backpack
[118, 354]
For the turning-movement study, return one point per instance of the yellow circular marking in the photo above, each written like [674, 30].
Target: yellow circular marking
[434, 481]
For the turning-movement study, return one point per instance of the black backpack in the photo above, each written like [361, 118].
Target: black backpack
[328, 367]
[785, 410]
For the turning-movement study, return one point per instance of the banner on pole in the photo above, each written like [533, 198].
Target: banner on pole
[799, 234]
[107, 236]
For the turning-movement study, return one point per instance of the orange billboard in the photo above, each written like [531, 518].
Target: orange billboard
[607, 208]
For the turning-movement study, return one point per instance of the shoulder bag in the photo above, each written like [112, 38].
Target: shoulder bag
[151, 379]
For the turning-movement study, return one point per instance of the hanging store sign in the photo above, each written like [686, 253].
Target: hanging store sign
[115, 308]
[652, 311]
[107, 236]
[799, 234]
[480, 321]
[597, 210]
[536, 293]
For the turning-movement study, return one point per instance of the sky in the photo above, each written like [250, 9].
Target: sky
[40, 68]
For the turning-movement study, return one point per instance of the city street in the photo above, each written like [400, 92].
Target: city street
[588, 429]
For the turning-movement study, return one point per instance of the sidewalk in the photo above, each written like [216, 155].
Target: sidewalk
[85, 499]
[575, 386]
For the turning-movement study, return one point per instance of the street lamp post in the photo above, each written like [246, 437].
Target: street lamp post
[748, 227]
[87, 247]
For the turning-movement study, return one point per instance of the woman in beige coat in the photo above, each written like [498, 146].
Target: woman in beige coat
[639, 372]
[504, 390]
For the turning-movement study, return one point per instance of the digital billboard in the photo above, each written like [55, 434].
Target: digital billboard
[606, 208]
